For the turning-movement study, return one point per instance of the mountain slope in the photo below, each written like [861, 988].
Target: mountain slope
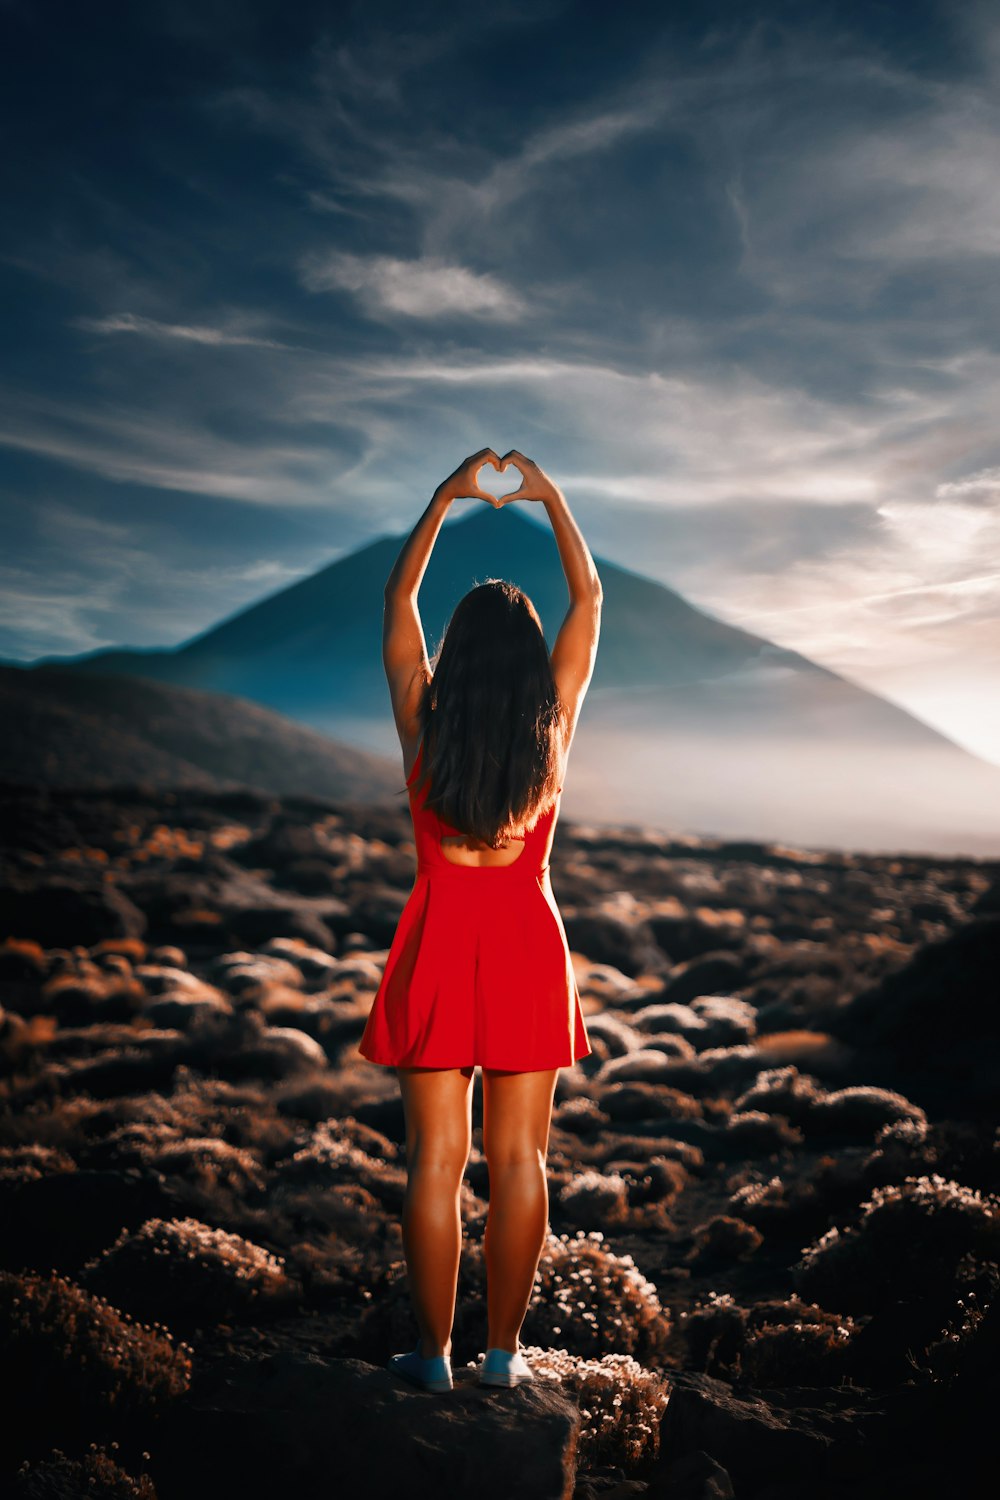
[313, 649]
[690, 723]
[67, 728]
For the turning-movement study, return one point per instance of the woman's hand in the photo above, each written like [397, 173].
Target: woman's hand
[535, 483]
[462, 484]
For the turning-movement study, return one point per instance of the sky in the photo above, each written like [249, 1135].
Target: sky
[729, 272]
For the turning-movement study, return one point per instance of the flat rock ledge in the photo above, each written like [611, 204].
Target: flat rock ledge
[298, 1424]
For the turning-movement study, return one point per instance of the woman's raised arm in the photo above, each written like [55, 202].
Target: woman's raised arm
[404, 650]
[575, 650]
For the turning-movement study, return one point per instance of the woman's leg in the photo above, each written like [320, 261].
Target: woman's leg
[517, 1114]
[437, 1103]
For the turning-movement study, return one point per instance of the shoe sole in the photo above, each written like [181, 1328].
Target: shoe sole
[507, 1382]
[437, 1387]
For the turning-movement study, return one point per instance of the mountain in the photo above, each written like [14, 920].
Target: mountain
[690, 724]
[74, 729]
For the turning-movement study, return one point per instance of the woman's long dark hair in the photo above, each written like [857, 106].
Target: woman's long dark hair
[491, 718]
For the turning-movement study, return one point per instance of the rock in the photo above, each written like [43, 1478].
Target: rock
[184, 1012]
[795, 1434]
[710, 974]
[929, 1027]
[606, 938]
[650, 1065]
[301, 1425]
[58, 1221]
[313, 964]
[237, 972]
[56, 913]
[618, 1036]
[646, 1101]
[257, 924]
[698, 1476]
[684, 934]
[169, 955]
[728, 1021]
[681, 1019]
[670, 1046]
[286, 840]
[160, 979]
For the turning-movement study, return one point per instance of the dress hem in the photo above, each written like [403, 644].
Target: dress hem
[499, 1067]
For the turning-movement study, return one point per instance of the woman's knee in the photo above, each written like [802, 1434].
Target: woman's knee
[511, 1158]
[447, 1157]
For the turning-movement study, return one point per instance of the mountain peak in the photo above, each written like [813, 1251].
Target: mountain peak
[485, 514]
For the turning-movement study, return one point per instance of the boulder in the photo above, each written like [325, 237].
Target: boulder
[57, 913]
[302, 1425]
[709, 974]
[797, 1435]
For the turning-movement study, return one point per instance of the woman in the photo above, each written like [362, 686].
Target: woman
[479, 971]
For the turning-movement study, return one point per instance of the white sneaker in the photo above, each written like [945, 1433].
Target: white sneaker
[501, 1367]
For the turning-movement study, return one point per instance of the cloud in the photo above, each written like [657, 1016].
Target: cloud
[426, 288]
[100, 576]
[152, 328]
[981, 488]
[125, 444]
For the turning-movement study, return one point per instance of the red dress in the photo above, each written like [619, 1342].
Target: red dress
[479, 971]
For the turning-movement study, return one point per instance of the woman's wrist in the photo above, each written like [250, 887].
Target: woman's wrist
[441, 498]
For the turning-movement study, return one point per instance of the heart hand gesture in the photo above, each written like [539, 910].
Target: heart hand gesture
[462, 485]
[535, 483]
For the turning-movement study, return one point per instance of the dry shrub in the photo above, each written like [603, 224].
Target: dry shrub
[189, 1271]
[646, 1148]
[659, 1180]
[95, 1476]
[580, 1116]
[618, 1036]
[621, 1403]
[722, 1240]
[65, 1350]
[970, 1340]
[714, 1333]
[212, 1168]
[797, 1353]
[586, 1302]
[337, 1153]
[594, 1302]
[29, 1162]
[753, 1132]
[648, 1065]
[907, 1243]
[714, 1069]
[648, 1101]
[781, 1091]
[593, 1200]
[776, 1343]
[958, 1149]
[861, 1110]
[728, 1020]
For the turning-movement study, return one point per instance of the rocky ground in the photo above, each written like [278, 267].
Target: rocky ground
[774, 1228]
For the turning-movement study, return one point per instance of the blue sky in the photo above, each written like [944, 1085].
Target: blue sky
[729, 272]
